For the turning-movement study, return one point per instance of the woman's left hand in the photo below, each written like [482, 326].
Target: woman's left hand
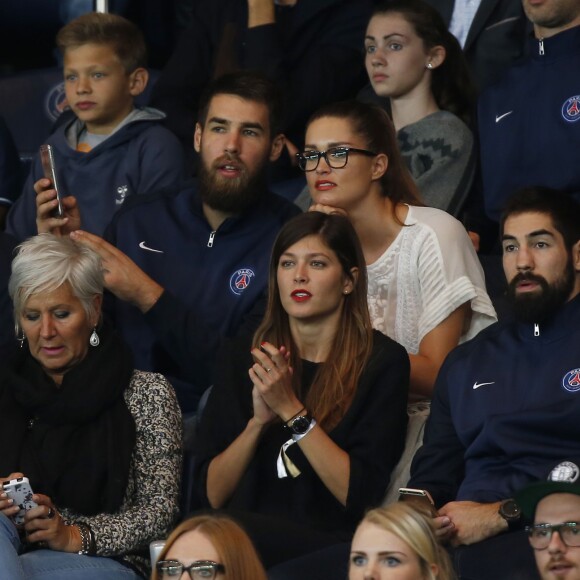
[45, 524]
[272, 377]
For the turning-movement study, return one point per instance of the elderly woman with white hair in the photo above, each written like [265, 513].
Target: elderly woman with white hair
[99, 442]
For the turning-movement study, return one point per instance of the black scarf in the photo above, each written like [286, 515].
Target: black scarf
[78, 450]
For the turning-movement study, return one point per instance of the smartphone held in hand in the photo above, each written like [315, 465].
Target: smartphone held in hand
[20, 492]
[49, 168]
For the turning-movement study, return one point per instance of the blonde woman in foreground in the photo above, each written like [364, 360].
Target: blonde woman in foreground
[398, 543]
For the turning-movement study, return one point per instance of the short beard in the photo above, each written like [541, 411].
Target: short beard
[231, 195]
[556, 18]
[541, 305]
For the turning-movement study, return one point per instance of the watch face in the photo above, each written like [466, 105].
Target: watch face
[510, 510]
[300, 425]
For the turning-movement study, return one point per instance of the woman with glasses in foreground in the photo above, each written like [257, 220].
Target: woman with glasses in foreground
[209, 547]
[426, 288]
[306, 420]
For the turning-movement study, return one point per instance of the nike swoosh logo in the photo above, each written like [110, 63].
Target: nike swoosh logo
[144, 247]
[476, 385]
[498, 118]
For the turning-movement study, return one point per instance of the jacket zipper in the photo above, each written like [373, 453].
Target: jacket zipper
[536, 330]
[541, 46]
[210, 241]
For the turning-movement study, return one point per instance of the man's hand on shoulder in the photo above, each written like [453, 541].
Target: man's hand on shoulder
[472, 521]
[122, 276]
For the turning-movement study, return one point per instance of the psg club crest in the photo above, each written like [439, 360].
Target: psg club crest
[240, 280]
[571, 109]
[571, 381]
[56, 102]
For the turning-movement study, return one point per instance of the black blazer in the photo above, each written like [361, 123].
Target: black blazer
[496, 39]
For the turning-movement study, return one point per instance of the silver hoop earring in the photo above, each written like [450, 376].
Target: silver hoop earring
[94, 340]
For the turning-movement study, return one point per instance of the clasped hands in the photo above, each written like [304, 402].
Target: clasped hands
[273, 395]
[42, 523]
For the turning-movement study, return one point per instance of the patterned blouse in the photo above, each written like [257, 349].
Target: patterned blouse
[151, 503]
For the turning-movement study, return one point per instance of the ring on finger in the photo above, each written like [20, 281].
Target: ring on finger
[51, 513]
[268, 370]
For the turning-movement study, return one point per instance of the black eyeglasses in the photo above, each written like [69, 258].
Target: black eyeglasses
[198, 570]
[336, 157]
[541, 534]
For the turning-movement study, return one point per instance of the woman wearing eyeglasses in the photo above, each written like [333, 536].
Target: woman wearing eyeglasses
[426, 288]
[209, 547]
[306, 420]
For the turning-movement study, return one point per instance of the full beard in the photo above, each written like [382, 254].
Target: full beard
[232, 195]
[541, 305]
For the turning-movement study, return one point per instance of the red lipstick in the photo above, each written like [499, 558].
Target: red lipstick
[301, 295]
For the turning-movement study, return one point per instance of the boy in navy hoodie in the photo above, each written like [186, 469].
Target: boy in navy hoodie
[110, 149]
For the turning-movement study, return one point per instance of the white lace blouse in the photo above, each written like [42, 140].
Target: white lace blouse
[426, 273]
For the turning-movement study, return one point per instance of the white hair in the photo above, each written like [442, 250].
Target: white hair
[46, 262]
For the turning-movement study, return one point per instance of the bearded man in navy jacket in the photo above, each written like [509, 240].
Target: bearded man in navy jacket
[506, 405]
[190, 266]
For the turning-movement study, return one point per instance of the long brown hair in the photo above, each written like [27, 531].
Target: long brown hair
[451, 82]
[336, 380]
[235, 550]
[375, 127]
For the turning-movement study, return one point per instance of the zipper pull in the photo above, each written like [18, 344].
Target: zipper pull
[541, 47]
[536, 330]
[210, 241]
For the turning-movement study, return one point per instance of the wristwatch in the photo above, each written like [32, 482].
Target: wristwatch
[300, 425]
[511, 512]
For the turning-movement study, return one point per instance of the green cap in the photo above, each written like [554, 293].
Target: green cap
[564, 478]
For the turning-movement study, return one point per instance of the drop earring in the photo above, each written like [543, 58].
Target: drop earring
[94, 340]
[21, 339]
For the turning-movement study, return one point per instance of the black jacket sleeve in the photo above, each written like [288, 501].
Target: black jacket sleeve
[315, 56]
[10, 171]
[7, 341]
[191, 343]
[319, 60]
[438, 466]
